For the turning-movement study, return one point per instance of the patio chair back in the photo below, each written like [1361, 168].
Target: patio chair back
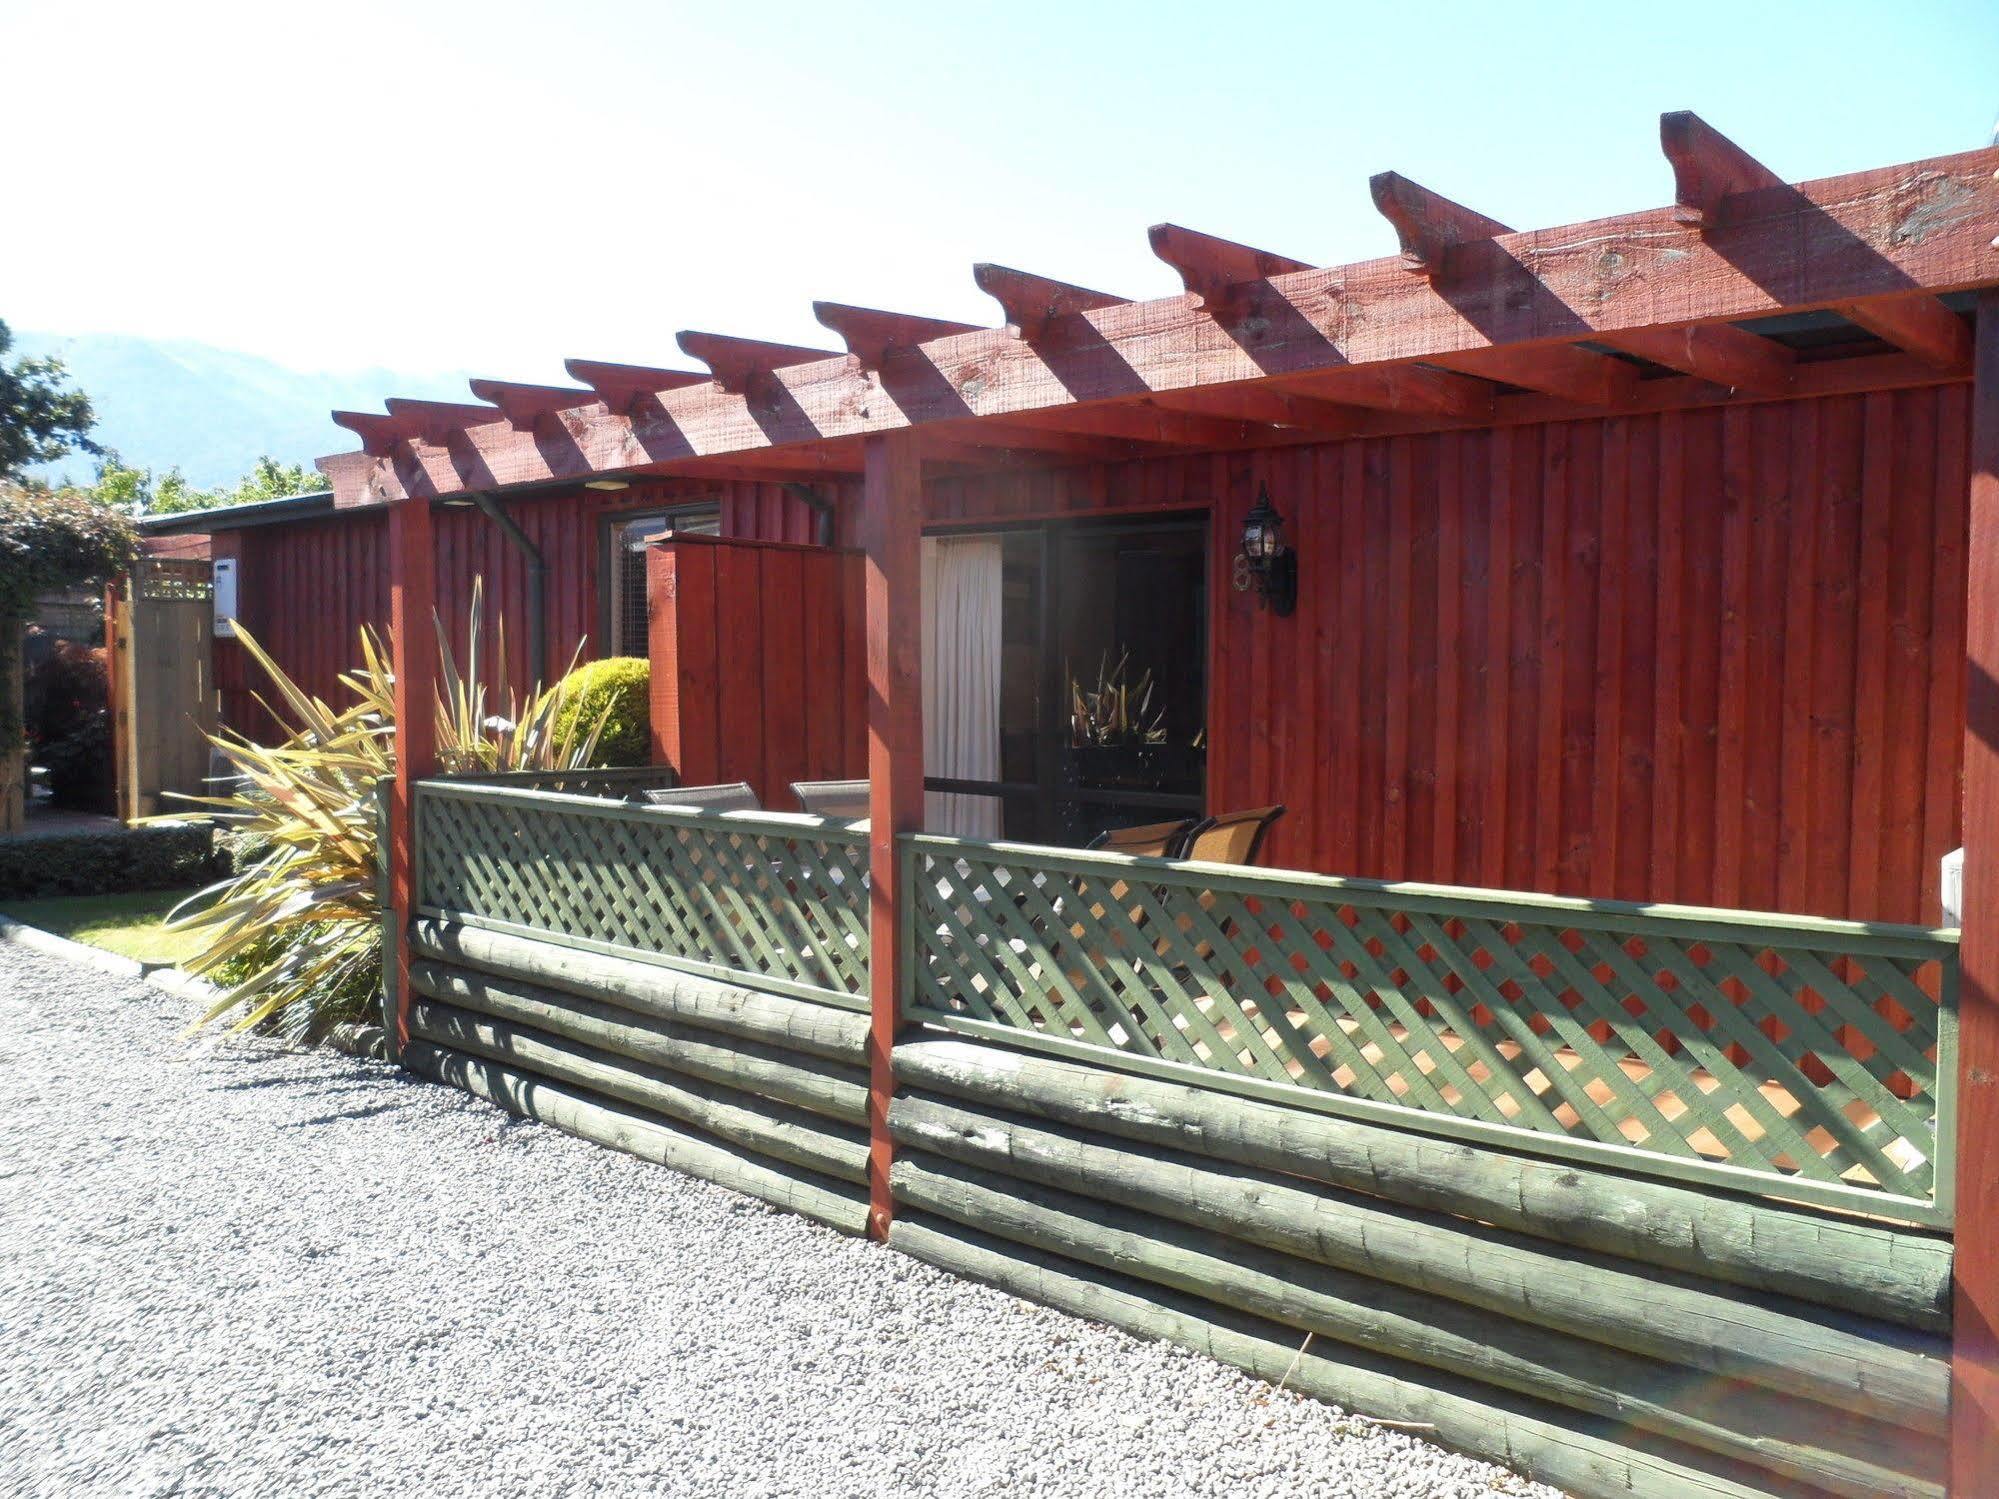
[1231, 837]
[847, 799]
[732, 796]
[1153, 840]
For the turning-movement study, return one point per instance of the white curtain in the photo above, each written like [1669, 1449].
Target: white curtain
[961, 680]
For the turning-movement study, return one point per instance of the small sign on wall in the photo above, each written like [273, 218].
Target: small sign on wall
[225, 597]
[1953, 888]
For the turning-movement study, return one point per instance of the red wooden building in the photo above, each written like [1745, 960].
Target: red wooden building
[1650, 558]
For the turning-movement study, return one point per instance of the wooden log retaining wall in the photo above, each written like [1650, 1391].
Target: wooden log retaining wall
[759, 1092]
[1605, 1334]
[1608, 1334]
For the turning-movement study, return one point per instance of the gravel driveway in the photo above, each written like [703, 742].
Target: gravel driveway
[226, 1268]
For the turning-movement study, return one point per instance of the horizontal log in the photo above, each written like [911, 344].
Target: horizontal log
[635, 1132]
[1889, 1374]
[830, 1088]
[1793, 1438]
[1582, 1455]
[1870, 1269]
[742, 1119]
[648, 989]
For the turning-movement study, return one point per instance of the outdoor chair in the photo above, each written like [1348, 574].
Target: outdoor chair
[1232, 837]
[732, 796]
[843, 799]
[1150, 840]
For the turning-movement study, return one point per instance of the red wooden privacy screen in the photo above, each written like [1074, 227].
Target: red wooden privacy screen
[758, 666]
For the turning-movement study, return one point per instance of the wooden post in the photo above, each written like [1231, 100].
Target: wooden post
[1974, 1426]
[891, 532]
[117, 648]
[413, 651]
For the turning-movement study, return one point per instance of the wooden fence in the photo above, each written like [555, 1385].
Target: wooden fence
[1311, 1127]
[159, 626]
[758, 671]
[777, 899]
[1810, 1057]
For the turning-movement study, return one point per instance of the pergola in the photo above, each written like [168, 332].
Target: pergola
[1472, 325]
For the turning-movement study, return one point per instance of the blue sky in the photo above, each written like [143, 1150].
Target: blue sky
[493, 186]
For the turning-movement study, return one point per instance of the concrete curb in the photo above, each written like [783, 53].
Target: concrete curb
[20, 934]
[162, 976]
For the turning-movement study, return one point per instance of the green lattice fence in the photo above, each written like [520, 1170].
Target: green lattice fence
[1696, 1043]
[771, 899]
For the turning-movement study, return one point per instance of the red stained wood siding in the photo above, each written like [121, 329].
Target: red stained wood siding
[755, 647]
[1710, 655]
[307, 588]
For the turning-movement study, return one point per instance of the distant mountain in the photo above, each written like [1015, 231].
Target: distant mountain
[212, 412]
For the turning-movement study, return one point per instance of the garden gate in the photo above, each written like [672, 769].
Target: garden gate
[159, 624]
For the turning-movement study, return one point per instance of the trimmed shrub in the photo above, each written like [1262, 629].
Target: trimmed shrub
[619, 690]
[69, 725]
[151, 856]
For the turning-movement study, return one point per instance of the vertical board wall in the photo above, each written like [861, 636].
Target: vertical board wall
[1713, 655]
[759, 668]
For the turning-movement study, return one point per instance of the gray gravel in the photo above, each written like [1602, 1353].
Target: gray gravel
[231, 1269]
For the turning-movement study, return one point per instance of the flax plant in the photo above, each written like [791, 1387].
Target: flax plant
[294, 938]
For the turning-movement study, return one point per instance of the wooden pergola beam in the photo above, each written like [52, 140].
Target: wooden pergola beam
[1217, 271]
[1428, 224]
[1412, 388]
[1916, 227]
[1920, 326]
[1708, 169]
[1429, 227]
[525, 405]
[736, 364]
[1263, 403]
[435, 422]
[621, 387]
[870, 333]
[1030, 303]
[1135, 421]
[954, 439]
[1580, 375]
[379, 432]
[1715, 180]
[1717, 353]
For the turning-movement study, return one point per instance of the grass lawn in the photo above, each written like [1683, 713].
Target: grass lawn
[125, 924]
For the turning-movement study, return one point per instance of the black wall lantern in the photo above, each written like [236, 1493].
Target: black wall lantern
[1264, 559]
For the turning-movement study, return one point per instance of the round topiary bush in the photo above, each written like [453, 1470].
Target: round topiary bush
[624, 684]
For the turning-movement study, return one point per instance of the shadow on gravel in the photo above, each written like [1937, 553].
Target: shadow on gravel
[335, 1118]
[355, 1078]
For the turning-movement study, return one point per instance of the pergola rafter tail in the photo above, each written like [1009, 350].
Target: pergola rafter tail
[1644, 282]
[525, 405]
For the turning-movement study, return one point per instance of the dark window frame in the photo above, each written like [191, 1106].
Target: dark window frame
[609, 527]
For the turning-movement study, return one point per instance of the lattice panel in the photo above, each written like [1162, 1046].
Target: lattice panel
[780, 899]
[174, 578]
[1809, 1052]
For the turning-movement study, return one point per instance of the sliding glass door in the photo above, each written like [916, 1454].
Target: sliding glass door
[1101, 693]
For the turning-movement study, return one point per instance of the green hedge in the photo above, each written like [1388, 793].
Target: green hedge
[160, 856]
[625, 684]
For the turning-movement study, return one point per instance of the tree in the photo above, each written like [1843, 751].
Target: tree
[48, 541]
[41, 417]
[267, 480]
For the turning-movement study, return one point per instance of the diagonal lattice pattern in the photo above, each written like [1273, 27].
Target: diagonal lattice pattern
[1785, 1046]
[775, 899]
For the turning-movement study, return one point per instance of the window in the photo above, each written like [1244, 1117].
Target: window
[625, 575]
